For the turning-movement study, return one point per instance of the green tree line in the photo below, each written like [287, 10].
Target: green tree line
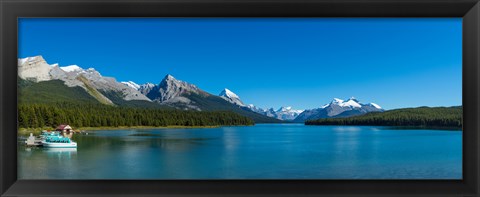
[34, 115]
[422, 116]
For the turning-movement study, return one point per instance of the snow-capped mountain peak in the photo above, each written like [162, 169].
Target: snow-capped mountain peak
[227, 93]
[339, 108]
[231, 97]
[71, 68]
[352, 102]
[131, 84]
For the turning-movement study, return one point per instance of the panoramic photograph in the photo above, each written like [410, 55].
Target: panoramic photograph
[239, 98]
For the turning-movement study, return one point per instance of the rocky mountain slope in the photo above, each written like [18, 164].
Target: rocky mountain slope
[36, 69]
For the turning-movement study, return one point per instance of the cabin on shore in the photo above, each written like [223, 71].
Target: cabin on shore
[64, 128]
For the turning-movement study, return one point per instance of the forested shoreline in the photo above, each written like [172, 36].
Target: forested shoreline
[418, 117]
[34, 115]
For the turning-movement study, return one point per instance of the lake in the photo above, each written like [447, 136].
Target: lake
[263, 151]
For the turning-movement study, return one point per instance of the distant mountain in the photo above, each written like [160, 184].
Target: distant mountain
[338, 108]
[283, 113]
[231, 97]
[287, 113]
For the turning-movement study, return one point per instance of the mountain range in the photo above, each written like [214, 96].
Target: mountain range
[338, 108]
[173, 93]
[170, 92]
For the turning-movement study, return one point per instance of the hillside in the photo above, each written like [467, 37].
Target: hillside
[53, 91]
[421, 117]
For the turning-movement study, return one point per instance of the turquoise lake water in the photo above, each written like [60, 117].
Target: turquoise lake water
[263, 151]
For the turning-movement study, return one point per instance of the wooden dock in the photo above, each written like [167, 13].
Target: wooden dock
[33, 141]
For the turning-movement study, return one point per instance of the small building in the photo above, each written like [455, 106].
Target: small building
[64, 128]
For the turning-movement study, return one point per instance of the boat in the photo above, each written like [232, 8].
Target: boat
[55, 140]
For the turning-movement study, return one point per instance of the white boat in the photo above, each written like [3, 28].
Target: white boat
[55, 140]
[59, 145]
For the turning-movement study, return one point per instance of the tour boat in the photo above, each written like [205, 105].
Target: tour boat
[55, 140]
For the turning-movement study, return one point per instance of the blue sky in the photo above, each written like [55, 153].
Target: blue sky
[302, 63]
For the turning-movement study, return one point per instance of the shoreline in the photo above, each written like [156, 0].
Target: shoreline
[36, 131]
[396, 127]
[148, 127]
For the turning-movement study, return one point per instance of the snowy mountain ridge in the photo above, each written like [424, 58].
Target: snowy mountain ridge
[339, 108]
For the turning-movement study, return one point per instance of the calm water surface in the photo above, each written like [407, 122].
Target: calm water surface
[264, 151]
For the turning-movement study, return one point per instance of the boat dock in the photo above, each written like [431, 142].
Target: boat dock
[33, 141]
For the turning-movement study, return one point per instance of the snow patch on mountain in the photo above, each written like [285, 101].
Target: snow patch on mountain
[375, 105]
[231, 97]
[71, 68]
[352, 102]
[131, 84]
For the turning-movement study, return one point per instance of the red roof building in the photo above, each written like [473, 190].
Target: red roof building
[64, 128]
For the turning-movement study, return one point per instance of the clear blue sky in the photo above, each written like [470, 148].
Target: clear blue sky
[302, 63]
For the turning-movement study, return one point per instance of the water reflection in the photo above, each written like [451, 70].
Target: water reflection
[61, 153]
[347, 129]
[259, 152]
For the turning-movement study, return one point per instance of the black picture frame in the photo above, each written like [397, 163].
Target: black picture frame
[10, 10]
